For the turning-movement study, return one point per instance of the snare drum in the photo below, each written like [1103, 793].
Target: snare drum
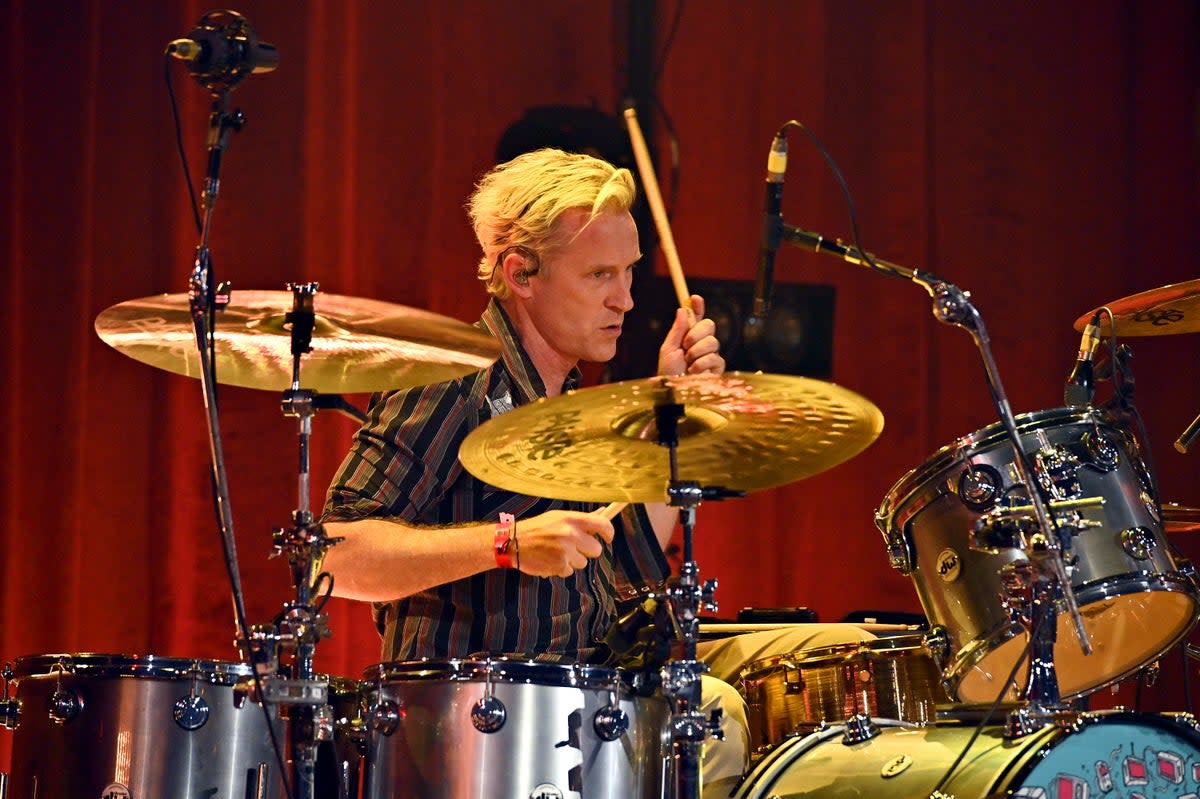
[141, 726]
[1135, 598]
[1114, 756]
[511, 728]
[793, 694]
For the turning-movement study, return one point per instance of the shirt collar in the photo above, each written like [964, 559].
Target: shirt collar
[527, 381]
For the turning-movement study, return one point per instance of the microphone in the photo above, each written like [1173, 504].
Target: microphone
[222, 50]
[1080, 387]
[755, 326]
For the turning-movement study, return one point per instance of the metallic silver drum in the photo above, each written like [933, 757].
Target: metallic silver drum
[114, 726]
[1137, 600]
[1111, 755]
[794, 694]
[511, 728]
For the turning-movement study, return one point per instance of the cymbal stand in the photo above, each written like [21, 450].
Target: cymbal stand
[1047, 545]
[689, 727]
[301, 624]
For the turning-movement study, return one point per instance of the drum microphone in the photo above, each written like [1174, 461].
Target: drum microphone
[1080, 387]
[223, 49]
[771, 235]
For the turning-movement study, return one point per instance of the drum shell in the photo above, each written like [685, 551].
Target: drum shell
[792, 694]
[124, 733]
[547, 738]
[907, 762]
[1135, 605]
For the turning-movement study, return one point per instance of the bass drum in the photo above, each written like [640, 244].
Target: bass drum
[1106, 756]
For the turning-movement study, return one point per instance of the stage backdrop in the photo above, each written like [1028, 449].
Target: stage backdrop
[1041, 155]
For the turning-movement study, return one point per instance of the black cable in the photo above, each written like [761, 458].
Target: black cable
[187, 172]
[239, 609]
[1010, 682]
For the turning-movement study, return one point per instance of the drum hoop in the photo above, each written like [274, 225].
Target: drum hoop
[932, 468]
[100, 665]
[836, 654]
[499, 670]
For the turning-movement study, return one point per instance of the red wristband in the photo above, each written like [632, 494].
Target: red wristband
[506, 540]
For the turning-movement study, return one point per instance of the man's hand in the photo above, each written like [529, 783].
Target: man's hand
[691, 349]
[559, 542]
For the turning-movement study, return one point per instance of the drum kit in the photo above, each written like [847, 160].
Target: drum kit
[1037, 547]
[888, 713]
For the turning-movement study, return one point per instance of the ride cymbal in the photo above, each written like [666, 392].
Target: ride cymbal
[740, 431]
[1157, 312]
[357, 345]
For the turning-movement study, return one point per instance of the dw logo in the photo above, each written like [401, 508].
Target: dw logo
[546, 791]
[116, 791]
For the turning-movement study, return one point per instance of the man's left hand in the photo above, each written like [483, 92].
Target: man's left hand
[691, 348]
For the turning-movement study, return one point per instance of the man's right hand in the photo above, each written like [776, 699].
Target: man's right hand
[560, 542]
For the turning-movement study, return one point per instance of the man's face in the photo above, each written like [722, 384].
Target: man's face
[581, 295]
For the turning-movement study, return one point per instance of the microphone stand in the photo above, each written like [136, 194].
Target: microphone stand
[205, 299]
[1046, 546]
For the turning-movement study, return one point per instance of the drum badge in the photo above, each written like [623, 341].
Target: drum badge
[949, 565]
[116, 791]
[896, 766]
[546, 791]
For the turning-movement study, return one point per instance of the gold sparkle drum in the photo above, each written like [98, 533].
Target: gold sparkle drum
[141, 726]
[1135, 598]
[793, 694]
[1114, 756]
[502, 727]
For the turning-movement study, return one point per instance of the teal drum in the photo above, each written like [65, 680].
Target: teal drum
[1101, 756]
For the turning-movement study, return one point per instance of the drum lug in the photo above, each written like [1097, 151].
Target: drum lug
[1138, 542]
[1151, 673]
[610, 723]
[793, 679]
[859, 728]
[190, 712]
[385, 717]
[488, 714]
[937, 643]
[64, 706]
[10, 714]
[899, 552]
[1103, 453]
[10, 709]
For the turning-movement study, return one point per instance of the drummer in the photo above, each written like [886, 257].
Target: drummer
[421, 535]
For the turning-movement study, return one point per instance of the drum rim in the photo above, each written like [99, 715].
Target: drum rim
[100, 664]
[500, 669]
[837, 654]
[932, 468]
[1087, 594]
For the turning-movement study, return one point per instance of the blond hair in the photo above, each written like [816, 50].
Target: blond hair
[518, 203]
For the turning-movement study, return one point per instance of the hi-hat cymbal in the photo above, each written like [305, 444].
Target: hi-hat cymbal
[357, 345]
[741, 431]
[1157, 312]
[1180, 519]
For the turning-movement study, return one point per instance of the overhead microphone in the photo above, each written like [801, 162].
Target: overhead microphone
[772, 234]
[1080, 386]
[222, 50]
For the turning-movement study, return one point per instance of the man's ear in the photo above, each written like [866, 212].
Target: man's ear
[517, 268]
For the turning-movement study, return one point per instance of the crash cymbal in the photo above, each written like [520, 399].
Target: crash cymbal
[357, 345]
[741, 431]
[1157, 312]
[1180, 519]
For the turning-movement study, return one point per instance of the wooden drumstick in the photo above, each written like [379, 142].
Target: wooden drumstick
[611, 510]
[650, 182]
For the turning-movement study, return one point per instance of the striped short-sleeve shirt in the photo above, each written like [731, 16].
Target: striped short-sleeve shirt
[403, 464]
